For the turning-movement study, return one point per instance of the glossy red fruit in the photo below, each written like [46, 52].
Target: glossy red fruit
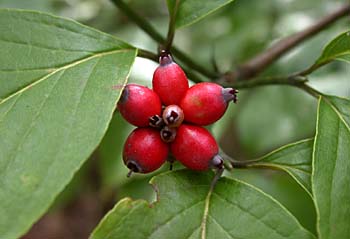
[169, 81]
[138, 103]
[205, 103]
[144, 150]
[196, 148]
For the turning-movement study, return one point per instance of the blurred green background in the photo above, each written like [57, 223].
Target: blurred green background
[264, 118]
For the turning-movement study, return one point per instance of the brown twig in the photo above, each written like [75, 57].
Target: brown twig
[171, 28]
[154, 57]
[252, 67]
[261, 81]
[147, 54]
[297, 80]
[257, 64]
[155, 35]
[236, 163]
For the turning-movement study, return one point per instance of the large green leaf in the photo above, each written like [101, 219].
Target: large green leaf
[190, 11]
[188, 208]
[58, 87]
[331, 168]
[294, 158]
[338, 49]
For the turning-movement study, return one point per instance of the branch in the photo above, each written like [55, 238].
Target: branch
[154, 57]
[193, 65]
[313, 92]
[297, 80]
[249, 69]
[233, 163]
[147, 54]
[171, 28]
[261, 81]
[254, 66]
[155, 35]
[140, 21]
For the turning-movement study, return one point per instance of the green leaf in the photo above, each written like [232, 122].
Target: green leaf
[337, 49]
[58, 87]
[187, 207]
[112, 169]
[331, 168]
[295, 159]
[191, 11]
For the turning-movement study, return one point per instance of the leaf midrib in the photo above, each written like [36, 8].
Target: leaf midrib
[221, 227]
[258, 219]
[334, 57]
[170, 219]
[284, 167]
[341, 119]
[332, 46]
[44, 47]
[335, 109]
[62, 68]
[266, 156]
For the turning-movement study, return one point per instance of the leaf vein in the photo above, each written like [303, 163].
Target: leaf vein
[222, 229]
[31, 126]
[52, 24]
[44, 47]
[332, 180]
[173, 217]
[10, 108]
[251, 214]
[28, 69]
[281, 167]
[284, 155]
[65, 67]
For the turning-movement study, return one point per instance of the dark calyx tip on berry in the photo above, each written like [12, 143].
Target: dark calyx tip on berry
[156, 121]
[134, 168]
[168, 134]
[165, 58]
[230, 94]
[217, 162]
[125, 95]
[129, 173]
[173, 116]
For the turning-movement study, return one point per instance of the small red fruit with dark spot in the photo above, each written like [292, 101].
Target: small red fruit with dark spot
[169, 81]
[139, 103]
[196, 148]
[205, 103]
[144, 150]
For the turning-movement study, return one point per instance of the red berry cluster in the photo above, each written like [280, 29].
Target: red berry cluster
[170, 119]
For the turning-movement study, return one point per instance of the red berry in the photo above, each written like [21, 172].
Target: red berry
[196, 148]
[169, 81]
[144, 150]
[205, 103]
[138, 103]
[173, 116]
